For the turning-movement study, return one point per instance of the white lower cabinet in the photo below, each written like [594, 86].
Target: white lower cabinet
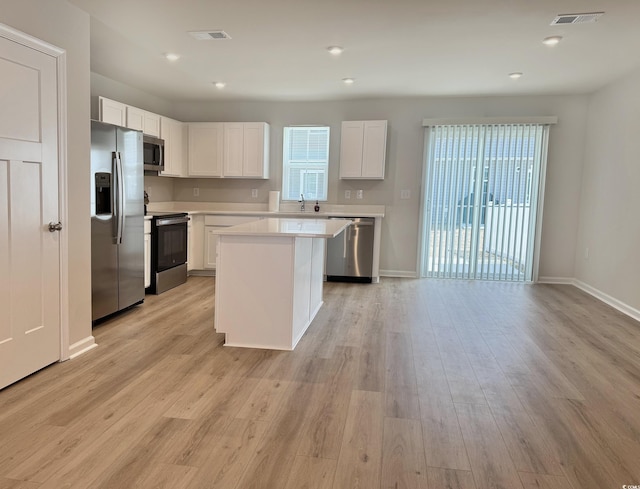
[147, 253]
[211, 246]
[213, 224]
[195, 239]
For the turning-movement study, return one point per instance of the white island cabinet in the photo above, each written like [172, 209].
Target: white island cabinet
[269, 279]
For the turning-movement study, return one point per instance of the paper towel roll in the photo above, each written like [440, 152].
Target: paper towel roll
[274, 201]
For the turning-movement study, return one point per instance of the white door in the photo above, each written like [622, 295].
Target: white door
[29, 252]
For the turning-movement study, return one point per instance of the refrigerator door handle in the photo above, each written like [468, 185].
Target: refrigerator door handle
[115, 198]
[119, 197]
[123, 200]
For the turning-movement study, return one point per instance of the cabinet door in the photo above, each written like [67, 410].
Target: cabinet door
[112, 112]
[351, 142]
[374, 149]
[172, 132]
[210, 247]
[190, 245]
[205, 149]
[233, 149]
[135, 118]
[166, 125]
[147, 260]
[255, 162]
[151, 124]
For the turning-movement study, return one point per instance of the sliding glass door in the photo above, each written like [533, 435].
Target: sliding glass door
[482, 187]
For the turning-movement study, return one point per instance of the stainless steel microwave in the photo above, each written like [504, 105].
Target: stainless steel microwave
[153, 149]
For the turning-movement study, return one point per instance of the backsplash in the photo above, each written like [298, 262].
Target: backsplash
[231, 190]
[160, 189]
[221, 190]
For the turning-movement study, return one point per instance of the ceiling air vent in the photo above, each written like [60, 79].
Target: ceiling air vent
[577, 18]
[210, 35]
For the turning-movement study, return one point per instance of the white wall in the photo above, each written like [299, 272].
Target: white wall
[106, 87]
[63, 25]
[405, 162]
[399, 247]
[610, 205]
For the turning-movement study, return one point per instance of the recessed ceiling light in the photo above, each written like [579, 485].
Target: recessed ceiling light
[348, 81]
[515, 75]
[220, 85]
[335, 50]
[552, 41]
[172, 56]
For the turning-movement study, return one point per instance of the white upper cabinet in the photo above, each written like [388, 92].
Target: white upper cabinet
[135, 118]
[233, 149]
[174, 134]
[151, 124]
[205, 149]
[132, 117]
[246, 149]
[229, 149]
[199, 149]
[255, 160]
[363, 149]
[141, 120]
[112, 112]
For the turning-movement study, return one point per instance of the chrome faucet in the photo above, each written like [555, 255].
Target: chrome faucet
[301, 202]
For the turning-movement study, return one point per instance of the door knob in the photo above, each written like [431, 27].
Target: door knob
[55, 226]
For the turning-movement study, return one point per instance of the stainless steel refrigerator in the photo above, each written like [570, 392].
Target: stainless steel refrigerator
[117, 219]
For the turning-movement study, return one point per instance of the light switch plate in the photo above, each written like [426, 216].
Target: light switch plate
[359, 194]
[347, 194]
[196, 191]
[254, 193]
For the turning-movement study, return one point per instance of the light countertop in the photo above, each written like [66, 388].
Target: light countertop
[287, 210]
[301, 228]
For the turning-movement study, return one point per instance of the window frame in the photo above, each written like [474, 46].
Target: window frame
[321, 167]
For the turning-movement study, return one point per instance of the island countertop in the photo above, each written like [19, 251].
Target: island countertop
[301, 228]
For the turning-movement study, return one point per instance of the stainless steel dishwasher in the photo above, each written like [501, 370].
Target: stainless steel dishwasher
[350, 254]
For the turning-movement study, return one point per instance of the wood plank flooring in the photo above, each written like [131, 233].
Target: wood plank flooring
[406, 384]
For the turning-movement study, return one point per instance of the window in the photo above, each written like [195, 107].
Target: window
[305, 162]
[482, 200]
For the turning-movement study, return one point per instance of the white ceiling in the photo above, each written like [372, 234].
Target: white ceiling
[392, 48]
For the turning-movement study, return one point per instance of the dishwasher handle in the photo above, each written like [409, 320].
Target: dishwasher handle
[357, 221]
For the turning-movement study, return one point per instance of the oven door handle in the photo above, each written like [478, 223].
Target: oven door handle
[171, 220]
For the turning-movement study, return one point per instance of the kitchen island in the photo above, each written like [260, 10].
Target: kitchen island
[269, 280]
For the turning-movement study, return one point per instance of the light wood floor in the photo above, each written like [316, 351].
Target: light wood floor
[406, 384]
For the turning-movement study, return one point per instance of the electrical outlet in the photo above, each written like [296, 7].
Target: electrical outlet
[359, 194]
[405, 194]
[254, 193]
[196, 191]
[347, 194]
[149, 190]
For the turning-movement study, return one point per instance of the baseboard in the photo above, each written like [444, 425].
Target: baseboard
[556, 280]
[82, 346]
[398, 274]
[624, 308]
[201, 273]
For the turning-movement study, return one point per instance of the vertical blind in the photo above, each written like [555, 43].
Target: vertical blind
[305, 163]
[481, 200]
